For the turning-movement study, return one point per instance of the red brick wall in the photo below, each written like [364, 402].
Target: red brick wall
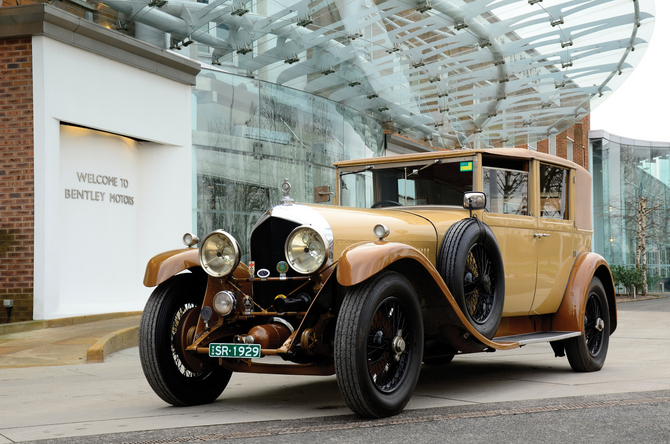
[581, 146]
[579, 134]
[16, 178]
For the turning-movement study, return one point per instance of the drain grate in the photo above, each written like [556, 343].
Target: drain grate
[398, 421]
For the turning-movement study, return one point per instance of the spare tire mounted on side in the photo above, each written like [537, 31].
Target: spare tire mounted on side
[470, 263]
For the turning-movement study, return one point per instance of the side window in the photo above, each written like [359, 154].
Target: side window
[553, 192]
[506, 191]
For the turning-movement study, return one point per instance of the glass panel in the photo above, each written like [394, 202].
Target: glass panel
[553, 191]
[357, 190]
[420, 184]
[506, 191]
[626, 176]
[249, 135]
[232, 206]
[569, 145]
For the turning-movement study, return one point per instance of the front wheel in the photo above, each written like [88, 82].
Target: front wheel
[586, 353]
[179, 379]
[379, 345]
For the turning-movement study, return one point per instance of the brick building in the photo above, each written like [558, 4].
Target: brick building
[48, 61]
[17, 175]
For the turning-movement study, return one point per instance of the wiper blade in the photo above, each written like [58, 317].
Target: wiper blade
[434, 162]
[369, 167]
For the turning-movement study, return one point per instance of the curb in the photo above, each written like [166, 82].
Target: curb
[650, 296]
[115, 341]
[20, 327]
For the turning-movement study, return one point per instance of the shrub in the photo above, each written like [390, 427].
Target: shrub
[629, 277]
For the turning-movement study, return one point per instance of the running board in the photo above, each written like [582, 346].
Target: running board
[534, 338]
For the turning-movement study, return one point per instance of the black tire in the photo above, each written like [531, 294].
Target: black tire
[166, 372]
[377, 378]
[472, 268]
[587, 353]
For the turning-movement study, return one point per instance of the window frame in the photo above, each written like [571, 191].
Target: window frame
[529, 184]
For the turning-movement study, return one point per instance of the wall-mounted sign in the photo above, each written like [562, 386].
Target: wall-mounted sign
[99, 196]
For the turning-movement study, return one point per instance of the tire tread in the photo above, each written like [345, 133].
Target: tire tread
[353, 385]
[179, 288]
[449, 265]
[579, 357]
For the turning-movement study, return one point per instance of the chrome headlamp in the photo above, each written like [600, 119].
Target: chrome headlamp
[225, 302]
[219, 253]
[306, 250]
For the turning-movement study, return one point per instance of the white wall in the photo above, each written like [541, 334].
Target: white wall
[90, 255]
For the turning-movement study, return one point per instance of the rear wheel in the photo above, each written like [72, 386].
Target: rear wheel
[379, 345]
[587, 353]
[177, 377]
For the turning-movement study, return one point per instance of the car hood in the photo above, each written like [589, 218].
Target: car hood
[420, 227]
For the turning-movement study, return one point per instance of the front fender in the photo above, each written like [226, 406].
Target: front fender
[364, 259]
[570, 315]
[165, 265]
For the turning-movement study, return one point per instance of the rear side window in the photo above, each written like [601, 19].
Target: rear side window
[553, 192]
[506, 191]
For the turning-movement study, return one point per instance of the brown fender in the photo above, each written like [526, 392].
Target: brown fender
[364, 259]
[570, 315]
[163, 266]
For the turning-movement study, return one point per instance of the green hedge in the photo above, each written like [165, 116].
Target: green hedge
[629, 277]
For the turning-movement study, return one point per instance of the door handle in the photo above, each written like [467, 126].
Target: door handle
[541, 235]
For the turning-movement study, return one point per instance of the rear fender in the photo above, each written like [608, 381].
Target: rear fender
[570, 315]
[365, 259]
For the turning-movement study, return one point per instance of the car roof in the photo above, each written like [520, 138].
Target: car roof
[519, 153]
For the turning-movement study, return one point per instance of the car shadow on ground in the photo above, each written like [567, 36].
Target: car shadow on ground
[456, 380]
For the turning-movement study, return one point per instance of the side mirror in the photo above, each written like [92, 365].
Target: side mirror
[322, 194]
[474, 200]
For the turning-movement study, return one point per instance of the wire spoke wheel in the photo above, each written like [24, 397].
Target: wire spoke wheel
[587, 353]
[178, 320]
[389, 326]
[471, 265]
[178, 378]
[479, 284]
[379, 345]
[592, 325]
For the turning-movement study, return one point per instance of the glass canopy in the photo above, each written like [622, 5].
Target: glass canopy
[456, 73]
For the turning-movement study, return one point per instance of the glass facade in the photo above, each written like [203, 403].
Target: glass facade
[630, 176]
[451, 74]
[249, 135]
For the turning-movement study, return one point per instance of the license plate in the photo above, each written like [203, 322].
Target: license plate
[235, 350]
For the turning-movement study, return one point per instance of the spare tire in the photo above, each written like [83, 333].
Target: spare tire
[470, 263]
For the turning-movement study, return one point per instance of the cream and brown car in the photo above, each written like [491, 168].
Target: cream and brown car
[422, 258]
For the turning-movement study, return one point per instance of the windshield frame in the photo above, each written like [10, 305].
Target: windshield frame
[372, 166]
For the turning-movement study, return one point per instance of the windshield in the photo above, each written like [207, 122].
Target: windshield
[432, 182]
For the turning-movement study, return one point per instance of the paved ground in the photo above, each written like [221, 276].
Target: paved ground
[57, 346]
[93, 399]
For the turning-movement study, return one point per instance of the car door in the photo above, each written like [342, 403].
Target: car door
[508, 215]
[554, 236]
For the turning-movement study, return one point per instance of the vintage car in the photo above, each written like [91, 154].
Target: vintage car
[422, 258]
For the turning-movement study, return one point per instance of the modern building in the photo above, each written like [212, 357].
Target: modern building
[125, 124]
[632, 177]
